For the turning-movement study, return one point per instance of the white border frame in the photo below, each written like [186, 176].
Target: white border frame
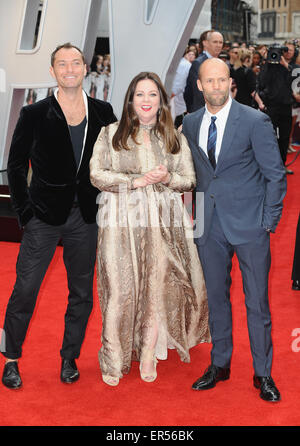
[19, 50]
[146, 7]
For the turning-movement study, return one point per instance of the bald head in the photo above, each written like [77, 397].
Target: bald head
[215, 83]
[215, 64]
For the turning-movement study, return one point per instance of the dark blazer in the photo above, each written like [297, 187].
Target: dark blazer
[193, 97]
[249, 182]
[42, 140]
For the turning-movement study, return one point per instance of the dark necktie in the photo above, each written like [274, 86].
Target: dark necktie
[211, 142]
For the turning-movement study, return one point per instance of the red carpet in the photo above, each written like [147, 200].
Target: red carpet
[169, 401]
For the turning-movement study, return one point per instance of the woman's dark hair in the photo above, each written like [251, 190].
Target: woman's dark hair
[129, 122]
[259, 55]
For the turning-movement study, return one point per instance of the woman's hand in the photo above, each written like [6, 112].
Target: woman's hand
[140, 182]
[158, 175]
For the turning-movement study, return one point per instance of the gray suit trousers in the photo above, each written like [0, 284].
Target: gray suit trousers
[254, 260]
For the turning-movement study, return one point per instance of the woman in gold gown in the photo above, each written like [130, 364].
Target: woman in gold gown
[150, 281]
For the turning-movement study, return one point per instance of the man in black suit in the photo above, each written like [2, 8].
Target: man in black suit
[275, 87]
[56, 136]
[212, 47]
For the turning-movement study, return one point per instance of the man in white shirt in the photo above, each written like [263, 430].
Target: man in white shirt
[241, 175]
[221, 120]
[179, 85]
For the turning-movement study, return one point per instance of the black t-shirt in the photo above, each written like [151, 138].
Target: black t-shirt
[77, 136]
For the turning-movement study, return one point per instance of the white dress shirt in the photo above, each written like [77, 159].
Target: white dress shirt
[220, 122]
[179, 86]
[209, 56]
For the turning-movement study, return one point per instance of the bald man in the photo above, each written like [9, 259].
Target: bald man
[212, 47]
[241, 175]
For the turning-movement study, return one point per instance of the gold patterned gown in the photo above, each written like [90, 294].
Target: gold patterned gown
[148, 269]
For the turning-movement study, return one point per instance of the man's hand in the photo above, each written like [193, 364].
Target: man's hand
[284, 62]
[297, 97]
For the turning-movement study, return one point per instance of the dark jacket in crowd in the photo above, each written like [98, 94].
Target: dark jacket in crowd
[275, 84]
[245, 80]
[193, 97]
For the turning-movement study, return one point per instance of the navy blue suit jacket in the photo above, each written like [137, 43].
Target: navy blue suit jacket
[193, 97]
[249, 182]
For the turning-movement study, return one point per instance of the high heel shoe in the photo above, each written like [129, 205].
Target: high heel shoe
[111, 380]
[148, 377]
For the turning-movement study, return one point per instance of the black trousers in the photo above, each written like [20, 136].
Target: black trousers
[36, 252]
[281, 117]
[296, 263]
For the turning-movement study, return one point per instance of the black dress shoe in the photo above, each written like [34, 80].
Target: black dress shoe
[288, 171]
[69, 372]
[11, 376]
[211, 376]
[296, 285]
[268, 390]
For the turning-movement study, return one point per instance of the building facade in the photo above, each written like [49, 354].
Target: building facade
[279, 20]
[234, 19]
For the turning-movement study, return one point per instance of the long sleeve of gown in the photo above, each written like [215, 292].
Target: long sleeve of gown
[183, 178]
[102, 174]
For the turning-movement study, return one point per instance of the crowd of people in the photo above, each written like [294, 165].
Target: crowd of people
[258, 81]
[97, 81]
[162, 281]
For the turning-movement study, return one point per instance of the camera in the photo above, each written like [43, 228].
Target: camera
[275, 52]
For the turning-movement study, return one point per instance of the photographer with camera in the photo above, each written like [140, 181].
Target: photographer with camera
[275, 89]
[293, 54]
